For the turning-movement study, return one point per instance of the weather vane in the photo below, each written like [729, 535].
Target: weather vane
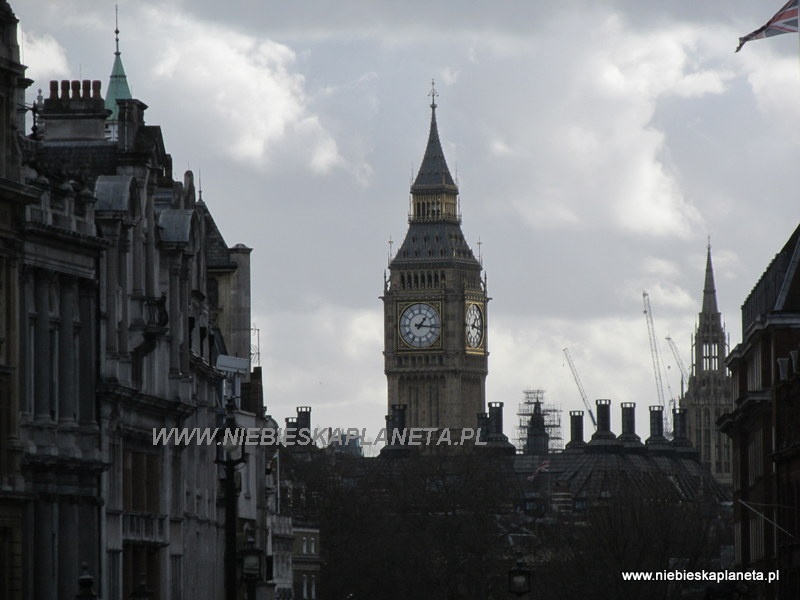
[433, 93]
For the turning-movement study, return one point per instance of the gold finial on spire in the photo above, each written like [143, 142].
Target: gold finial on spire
[433, 93]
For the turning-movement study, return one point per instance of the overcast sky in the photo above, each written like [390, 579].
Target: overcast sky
[597, 145]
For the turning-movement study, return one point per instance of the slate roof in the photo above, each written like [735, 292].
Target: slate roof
[81, 161]
[778, 288]
[217, 254]
[433, 173]
[596, 475]
[175, 225]
[113, 193]
[437, 243]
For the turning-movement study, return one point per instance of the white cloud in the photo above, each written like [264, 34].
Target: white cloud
[45, 57]
[596, 149]
[776, 87]
[253, 98]
[308, 353]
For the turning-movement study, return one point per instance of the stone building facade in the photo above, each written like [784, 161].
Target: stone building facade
[766, 478]
[14, 196]
[118, 296]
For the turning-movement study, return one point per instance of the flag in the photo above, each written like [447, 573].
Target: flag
[543, 468]
[784, 21]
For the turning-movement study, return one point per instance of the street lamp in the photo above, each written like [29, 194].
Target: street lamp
[519, 579]
[85, 585]
[230, 462]
[251, 566]
[142, 592]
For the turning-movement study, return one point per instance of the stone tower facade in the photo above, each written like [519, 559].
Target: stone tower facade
[708, 394]
[435, 307]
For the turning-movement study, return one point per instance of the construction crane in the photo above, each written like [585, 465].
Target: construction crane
[580, 386]
[681, 365]
[648, 315]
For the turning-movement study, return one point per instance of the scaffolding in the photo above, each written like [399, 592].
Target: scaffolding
[552, 419]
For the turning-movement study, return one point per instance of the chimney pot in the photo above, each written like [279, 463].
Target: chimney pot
[86, 92]
[53, 89]
[76, 89]
[64, 89]
[96, 90]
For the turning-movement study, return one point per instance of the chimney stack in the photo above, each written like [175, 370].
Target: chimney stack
[680, 439]
[495, 418]
[291, 429]
[604, 437]
[575, 430]
[628, 436]
[657, 441]
[496, 439]
[304, 417]
[603, 415]
[78, 113]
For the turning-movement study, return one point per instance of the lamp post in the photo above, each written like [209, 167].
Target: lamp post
[519, 579]
[142, 592]
[85, 585]
[230, 462]
[251, 566]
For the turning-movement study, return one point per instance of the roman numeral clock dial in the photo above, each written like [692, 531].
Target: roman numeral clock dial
[474, 326]
[420, 325]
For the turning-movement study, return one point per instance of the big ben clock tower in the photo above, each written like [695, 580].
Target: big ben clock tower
[434, 304]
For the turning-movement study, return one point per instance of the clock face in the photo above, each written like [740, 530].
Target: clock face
[420, 325]
[474, 326]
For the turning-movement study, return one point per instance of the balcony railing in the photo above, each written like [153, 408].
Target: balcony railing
[144, 528]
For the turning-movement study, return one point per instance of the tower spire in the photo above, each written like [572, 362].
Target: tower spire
[118, 84]
[433, 175]
[709, 291]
